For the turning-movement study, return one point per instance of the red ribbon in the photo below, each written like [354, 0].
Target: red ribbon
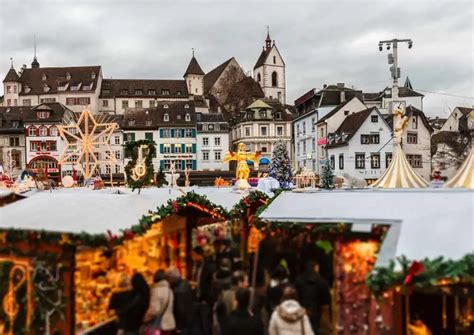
[416, 268]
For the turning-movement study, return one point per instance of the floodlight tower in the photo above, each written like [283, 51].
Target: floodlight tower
[393, 60]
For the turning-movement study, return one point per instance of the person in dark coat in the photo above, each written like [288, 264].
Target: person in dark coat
[278, 282]
[240, 321]
[131, 305]
[315, 296]
[183, 301]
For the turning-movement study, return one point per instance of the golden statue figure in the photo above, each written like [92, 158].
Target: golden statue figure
[241, 156]
[400, 123]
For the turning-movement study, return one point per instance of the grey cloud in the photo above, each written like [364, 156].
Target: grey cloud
[321, 41]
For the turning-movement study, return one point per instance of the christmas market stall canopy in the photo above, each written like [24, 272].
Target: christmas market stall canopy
[430, 226]
[80, 241]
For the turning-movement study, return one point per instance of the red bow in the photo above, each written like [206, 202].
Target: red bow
[416, 268]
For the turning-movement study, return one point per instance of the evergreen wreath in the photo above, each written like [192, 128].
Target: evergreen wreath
[131, 150]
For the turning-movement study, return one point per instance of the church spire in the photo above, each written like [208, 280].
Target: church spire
[35, 63]
[268, 40]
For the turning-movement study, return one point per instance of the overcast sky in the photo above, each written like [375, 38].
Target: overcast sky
[320, 41]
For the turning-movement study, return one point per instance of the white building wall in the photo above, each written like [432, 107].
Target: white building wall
[349, 151]
[452, 123]
[212, 164]
[423, 147]
[273, 63]
[305, 146]
[5, 147]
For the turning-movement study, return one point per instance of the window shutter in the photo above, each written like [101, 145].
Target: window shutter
[182, 132]
[161, 133]
[37, 131]
[194, 148]
[162, 164]
[172, 148]
[183, 165]
[194, 132]
[183, 148]
[161, 149]
[172, 132]
[194, 164]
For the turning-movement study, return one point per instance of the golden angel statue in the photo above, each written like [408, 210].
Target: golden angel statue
[400, 122]
[243, 171]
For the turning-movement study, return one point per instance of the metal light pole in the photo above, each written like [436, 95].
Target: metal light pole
[393, 60]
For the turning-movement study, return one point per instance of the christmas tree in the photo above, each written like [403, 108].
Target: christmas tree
[280, 166]
[327, 177]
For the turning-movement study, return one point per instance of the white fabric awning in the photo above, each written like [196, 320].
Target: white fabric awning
[424, 223]
[79, 210]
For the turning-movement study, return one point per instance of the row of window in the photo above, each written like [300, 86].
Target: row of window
[168, 148]
[139, 92]
[42, 146]
[205, 141]
[263, 131]
[370, 138]
[360, 160]
[303, 127]
[298, 146]
[217, 156]
[180, 164]
[78, 101]
[42, 131]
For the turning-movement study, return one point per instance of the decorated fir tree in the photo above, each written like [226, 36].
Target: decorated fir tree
[327, 177]
[280, 166]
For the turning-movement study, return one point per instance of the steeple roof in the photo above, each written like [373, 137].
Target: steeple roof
[11, 76]
[261, 59]
[193, 68]
[408, 84]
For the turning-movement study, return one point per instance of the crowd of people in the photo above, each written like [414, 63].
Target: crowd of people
[222, 302]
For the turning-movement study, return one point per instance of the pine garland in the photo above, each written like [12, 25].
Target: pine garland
[131, 150]
[434, 272]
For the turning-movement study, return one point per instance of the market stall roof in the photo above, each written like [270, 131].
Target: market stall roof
[79, 210]
[424, 223]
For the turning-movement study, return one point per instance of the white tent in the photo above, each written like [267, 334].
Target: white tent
[424, 223]
[79, 210]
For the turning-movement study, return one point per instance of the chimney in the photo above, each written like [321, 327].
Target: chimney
[340, 86]
[324, 86]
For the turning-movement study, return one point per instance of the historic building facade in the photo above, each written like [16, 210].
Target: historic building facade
[12, 138]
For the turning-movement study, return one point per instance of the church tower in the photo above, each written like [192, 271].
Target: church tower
[11, 87]
[269, 71]
[194, 77]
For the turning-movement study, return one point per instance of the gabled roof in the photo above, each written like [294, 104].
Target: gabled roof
[193, 68]
[259, 103]
[335, 110]
[55, 76]
[11, 76]
[176, 111]
[465, 110]
[57, 112]
[350, 125]
[150, 88]
[212, 76]
[410, 110]
[261, 59]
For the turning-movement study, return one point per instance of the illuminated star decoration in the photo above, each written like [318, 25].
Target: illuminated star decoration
[88, 141]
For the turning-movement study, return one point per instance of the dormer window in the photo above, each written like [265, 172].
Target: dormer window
[188, 117]
[178, 93]
[151, 92]
[166, 117]
[148, 123]
[44, 77]
[46, 88]
[76, 86]
[165, 106]
[138, 92]
[63, 86]
[186, 106]
[87, 87]
[123, 92]
[93, 75]
[42, 114]
[278, 115]
[131, 122]
[165, 92]
[27, 89]
[68, 76]
[263, 114]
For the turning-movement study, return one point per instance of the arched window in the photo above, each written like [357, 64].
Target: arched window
[43, 131]
[166, 117]
[53, 131]
[32, 131]
[188, 117]
[274, 79]
[259, 77]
